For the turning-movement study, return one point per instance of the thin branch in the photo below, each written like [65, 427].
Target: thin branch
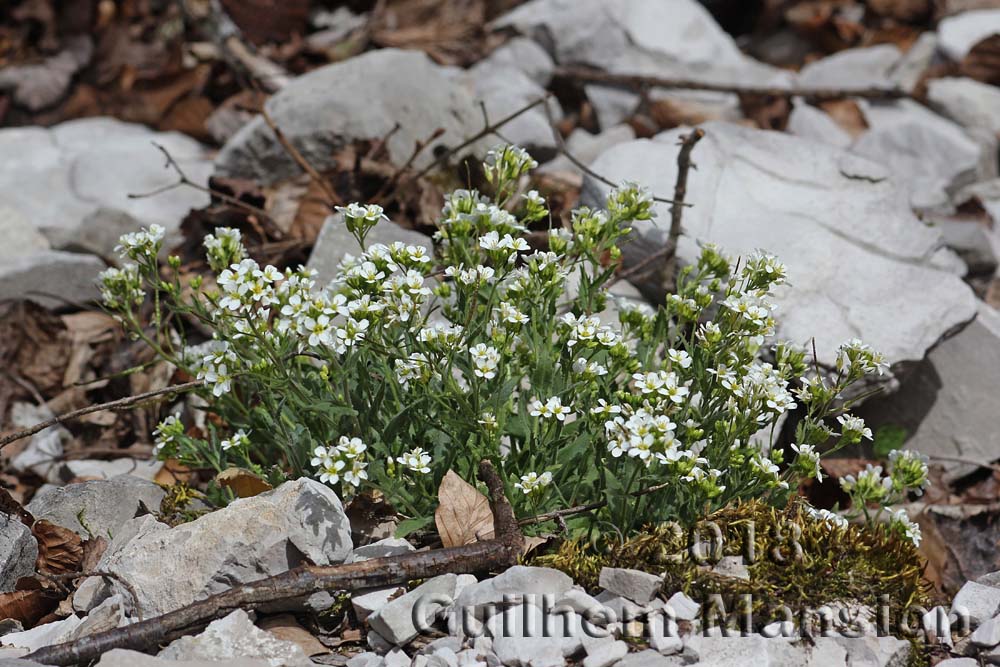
[183, 180]
[961, 459]
[669, 249]
[500, 552]
[418, 148]
[299, 159]
[639, 82]
[119, 404]
[579, 164]
[557, 515]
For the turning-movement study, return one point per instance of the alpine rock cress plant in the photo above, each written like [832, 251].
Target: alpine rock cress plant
[407, 365]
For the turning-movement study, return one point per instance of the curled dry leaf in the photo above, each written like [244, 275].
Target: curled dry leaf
[463, 515]
[27, 606]
[286, 627]
[60, 550]
[243, 482]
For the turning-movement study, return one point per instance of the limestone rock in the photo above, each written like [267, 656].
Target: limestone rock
[121, 657]
[250, 539]
[868, 67]
[43, 635]
[987, 635]
[945, 404]
[808, 122]
[857, 256]
[390, 546]
[514, 585]
[980, 602]
[360, 98]
[51, 278]
[235, 636]
[334, 243]
[639, 587]
[967, 101]
[96, 508]
[526, 55]
[18, 551]
[399, 621]
[959, 33]
[901, 136]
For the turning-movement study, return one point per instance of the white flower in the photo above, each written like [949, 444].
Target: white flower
[555, 408]
[485, 360]
[417, 460]
[239, 439]
[680, 357]
[351, 447]
[533, 482]
[826, 515]
[900, 520]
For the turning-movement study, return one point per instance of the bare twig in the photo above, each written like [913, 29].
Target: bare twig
[579, 164]
[961, 459]
[418, 148]
[557, 515]
[119, 404]
[669, 250]
[502, 551]
[639, 83]
[300, 160]
[183, 180]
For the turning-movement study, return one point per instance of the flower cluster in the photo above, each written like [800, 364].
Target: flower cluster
[414, 363]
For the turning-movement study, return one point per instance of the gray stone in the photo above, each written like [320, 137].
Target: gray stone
[959, 33]
[21, 236]
[808, 122]
[990, 579]
[663, 633]
[958, 662]
[526, 55]
[43, 635]
[402, 619]
[120, 657]
[51, 278]
[606, 654]
[902, 134]
[909, 71]
[623, 609]
[36, 86]
[368, 601]
[987, 635]
[96, 508]
[946, 404]
[528, 652]
[639, 587]
[867, 67]
[586, 147]
[235, 636]
[79, 168]
[733, 567]
[390, 546]
[108, 615]
[937, 626]
[94, 590]
[360, 98]
[45, 447]
[967, 101]
[335, 243]
[876, 651]
[647, 658]
[823, 652]
[857, 256]
[18, 551]
[503, 90]
[146, 469]
[684, 608]
[579, 601]
[250, 539]
[735, 651]
[973, 243]
[516, 584]
[366, 659]
[567, 630]
[979, 602]
[396, 658]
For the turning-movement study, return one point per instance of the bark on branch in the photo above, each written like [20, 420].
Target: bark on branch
[500, 552]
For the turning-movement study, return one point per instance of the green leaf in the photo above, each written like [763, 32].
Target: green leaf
[407, 526]
[888, 438]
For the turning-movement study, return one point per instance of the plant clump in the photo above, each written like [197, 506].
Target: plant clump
[410, 364]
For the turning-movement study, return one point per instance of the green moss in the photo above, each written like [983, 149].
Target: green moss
[853, 565]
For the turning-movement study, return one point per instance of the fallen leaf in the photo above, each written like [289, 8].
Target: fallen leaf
[286, 627]
[93, 549]
[847, 114]
[463, 515]
[982, 63]
[243, 482]
[173, 472]
[959, 542]
[60, 550]
[35, 343]
[903, 10]
[28, 606]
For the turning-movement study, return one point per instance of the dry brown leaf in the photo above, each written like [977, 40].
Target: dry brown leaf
[243, 482]
[286, 627]
[35, 344]
[27, 606]
[903, 10]
[93, 549]
[173, 472]
[983, 61]
[60, 550]
[463, 515]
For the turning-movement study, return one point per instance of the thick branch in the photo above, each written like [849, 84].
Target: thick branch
[477, 557]
[127, 402]
[639, 83]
